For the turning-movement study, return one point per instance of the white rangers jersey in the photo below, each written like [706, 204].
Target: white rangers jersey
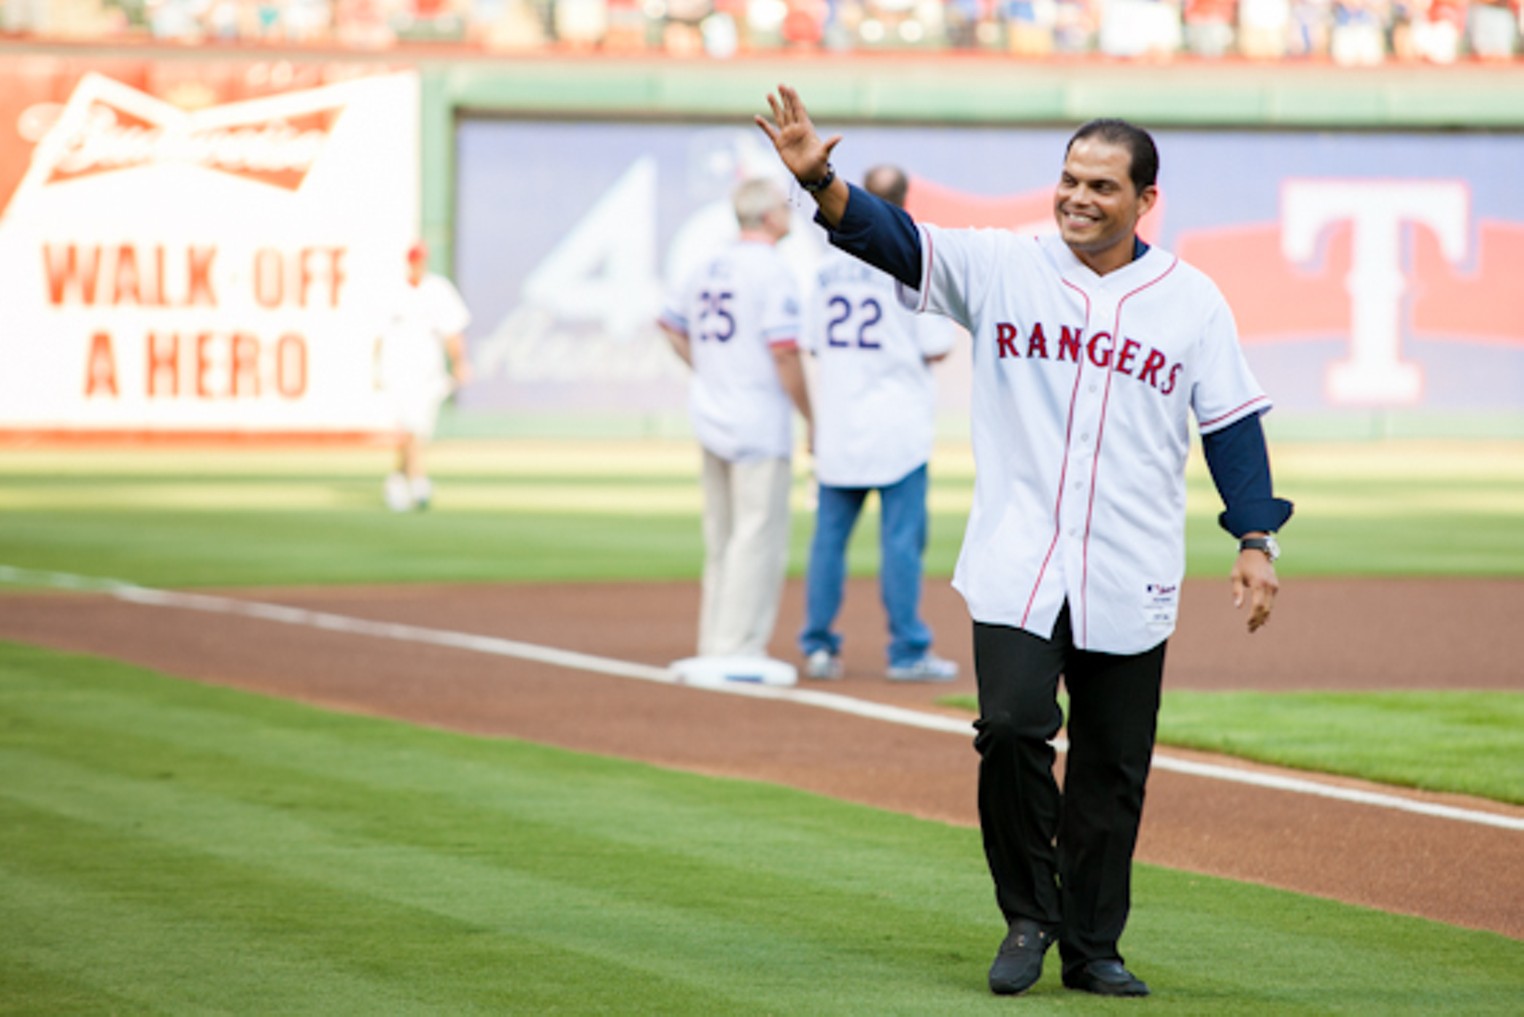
[1083, 386]
[874, 398]
[735, 308]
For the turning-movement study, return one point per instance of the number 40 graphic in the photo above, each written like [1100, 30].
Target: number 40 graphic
[604, 270]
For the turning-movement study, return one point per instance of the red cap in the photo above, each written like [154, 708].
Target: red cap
[418, 252]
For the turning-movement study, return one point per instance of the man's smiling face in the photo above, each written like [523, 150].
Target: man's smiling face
[1096, 204]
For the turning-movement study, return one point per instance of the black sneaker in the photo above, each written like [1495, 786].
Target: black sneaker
[1105, 978]
[1018, 964]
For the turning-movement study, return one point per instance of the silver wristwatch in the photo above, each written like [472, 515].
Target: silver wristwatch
[1266, 544]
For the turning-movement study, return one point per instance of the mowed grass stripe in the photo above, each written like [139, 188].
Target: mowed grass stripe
[499, 856]
[301, 934]
[406, 870]
[262, 747]
[618, 510]
[606, 494]
[190, 549]
[1456, 741]
[178, 549]
[173, 785]
[1395, 459]
[45, 989]
[132, 918]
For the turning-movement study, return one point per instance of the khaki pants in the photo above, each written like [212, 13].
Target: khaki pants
[746, 523]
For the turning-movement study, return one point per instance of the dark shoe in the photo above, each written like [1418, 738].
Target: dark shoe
[1018, 965]
[1105, 978]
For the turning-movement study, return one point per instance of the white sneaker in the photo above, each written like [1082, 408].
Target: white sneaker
[822, 665]
[399, 497]
[423, 492]
[929, 668]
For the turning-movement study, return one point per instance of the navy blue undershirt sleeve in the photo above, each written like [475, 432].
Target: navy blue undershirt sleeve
[880, 233]
[1240, 467]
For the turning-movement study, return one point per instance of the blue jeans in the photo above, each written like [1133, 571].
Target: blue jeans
[902, 542]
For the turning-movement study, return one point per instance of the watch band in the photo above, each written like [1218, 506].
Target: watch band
[1266, 544]
[815, 187]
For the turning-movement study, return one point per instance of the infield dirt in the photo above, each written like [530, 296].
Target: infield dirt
[1324, 635]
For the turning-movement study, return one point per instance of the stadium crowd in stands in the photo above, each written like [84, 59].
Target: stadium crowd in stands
[1344, 32]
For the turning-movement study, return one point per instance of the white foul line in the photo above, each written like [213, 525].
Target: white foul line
[496, 646]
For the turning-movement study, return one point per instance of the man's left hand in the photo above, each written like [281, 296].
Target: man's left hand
[1254, 579]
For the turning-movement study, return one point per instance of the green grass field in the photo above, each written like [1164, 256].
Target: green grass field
[567, 510]
[170, 848]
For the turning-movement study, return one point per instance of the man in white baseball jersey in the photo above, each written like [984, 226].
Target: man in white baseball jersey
[735, 321]
[1091, 352]
[421, 358]
[874, 414]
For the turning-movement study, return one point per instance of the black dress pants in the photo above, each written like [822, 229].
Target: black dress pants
[1063, 859]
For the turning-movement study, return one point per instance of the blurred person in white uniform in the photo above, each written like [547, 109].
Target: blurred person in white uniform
[735, 320]
[421, 358]
[875, 406]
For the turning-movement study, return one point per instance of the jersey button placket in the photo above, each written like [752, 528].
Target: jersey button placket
[1081, 458]
[1090, 396]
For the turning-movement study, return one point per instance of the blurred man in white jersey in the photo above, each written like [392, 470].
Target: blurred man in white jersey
[875, 407]
[421, 359]
[735, 321]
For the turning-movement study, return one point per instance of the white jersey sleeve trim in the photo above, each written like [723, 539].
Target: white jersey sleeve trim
[1259, 404]
[916, 299]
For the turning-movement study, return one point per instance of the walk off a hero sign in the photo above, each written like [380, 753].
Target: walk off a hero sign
[214, 271]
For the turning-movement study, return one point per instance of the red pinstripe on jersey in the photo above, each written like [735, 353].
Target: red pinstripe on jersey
[1063, 473]
[926, 271]
[1100, 432]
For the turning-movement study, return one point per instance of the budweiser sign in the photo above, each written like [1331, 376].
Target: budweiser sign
[278, 151]
[107, 126]
[213, 271]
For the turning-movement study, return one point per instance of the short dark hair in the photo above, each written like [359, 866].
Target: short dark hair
[888, 182]
[1144, 170]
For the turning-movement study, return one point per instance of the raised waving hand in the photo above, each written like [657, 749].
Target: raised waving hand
[803, 152]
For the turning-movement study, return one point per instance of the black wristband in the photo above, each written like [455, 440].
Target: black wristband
[822, 183]
[1267, 544]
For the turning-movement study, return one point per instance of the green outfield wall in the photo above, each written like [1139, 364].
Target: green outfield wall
[960, 90]
[992, 90]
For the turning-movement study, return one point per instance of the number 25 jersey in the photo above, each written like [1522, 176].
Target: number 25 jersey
[736, 307]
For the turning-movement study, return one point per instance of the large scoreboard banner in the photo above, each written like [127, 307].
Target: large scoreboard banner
[213, 270]
[1367, 271]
